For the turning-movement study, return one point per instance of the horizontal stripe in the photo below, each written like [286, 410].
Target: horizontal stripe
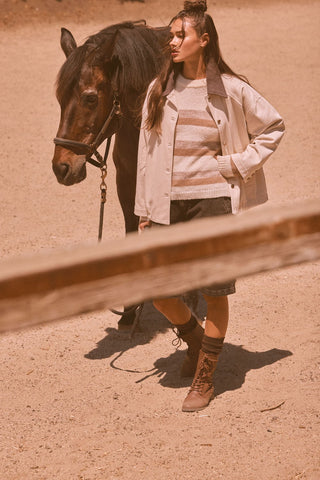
[196, 144]
[198, 122]
[197, 181]
[180, 181]
[196, 118]
[196, 152]
[192, 113]
[211, 144]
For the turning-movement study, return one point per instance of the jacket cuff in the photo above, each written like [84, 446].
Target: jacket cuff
[139, 212]
[238, 162]
[225, 166]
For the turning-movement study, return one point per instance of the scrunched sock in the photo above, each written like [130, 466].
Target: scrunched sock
[212, 345]
[187, 327]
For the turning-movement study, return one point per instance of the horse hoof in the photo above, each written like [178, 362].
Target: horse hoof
[123, 327]
[126, 321]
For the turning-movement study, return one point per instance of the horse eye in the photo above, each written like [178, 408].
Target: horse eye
[90, 99]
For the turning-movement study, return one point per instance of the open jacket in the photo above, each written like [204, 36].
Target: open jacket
[250, 130]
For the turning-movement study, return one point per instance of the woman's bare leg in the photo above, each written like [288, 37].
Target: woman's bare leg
[217, 316]
[174, 309]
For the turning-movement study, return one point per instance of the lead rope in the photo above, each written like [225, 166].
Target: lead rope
[103, 199]
[103, 188]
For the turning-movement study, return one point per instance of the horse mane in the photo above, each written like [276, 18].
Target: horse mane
[129, 53]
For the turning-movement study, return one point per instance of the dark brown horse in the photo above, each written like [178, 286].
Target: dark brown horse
[113, 67]
[117, 63]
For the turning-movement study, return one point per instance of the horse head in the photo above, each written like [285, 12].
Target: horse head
[86, 90]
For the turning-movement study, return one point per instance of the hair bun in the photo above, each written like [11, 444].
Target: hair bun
[196, 6]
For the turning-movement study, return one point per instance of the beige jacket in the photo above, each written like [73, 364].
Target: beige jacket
[250, 130]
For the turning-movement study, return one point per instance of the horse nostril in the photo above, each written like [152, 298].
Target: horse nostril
[60, 170]
[64, 169]
[71, 171]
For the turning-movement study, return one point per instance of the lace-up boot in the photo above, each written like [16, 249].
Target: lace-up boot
[201, 391]
[193, 338]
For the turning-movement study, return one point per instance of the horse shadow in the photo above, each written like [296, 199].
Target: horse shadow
[120, 341]
[234, 362]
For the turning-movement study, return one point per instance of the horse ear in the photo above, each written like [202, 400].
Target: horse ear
[67, 42]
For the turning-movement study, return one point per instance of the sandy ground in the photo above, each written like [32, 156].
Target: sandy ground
[80, 401]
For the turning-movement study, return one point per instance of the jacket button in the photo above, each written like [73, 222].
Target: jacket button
[219, 121]
[232, 185]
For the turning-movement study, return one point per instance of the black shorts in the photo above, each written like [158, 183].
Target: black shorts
[185, 210]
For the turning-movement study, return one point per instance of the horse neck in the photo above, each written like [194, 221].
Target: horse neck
[130, 108]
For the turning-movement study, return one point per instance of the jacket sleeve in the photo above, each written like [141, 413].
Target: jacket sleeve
[265, 129]
[140, 206]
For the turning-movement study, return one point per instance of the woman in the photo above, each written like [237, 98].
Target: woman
[205, 136]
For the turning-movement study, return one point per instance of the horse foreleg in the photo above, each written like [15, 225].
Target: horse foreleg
[126, 187]
[125, 160]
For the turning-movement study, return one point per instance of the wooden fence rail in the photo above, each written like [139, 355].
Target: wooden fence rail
[162, 261]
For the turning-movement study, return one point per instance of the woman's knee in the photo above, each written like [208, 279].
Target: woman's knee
[165, 303]
[216, 301]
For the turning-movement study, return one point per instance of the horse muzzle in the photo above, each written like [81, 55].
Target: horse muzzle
[69, 168]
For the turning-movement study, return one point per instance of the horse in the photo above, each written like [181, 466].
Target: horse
[100, 89]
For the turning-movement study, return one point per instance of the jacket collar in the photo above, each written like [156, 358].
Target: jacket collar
[214, 81]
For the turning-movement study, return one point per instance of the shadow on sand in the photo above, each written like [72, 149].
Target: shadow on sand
[234, 363]
[153, 323]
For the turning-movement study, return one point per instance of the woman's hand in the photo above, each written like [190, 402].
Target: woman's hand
[144, 224]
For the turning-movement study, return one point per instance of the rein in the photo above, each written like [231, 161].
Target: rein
[81, 148]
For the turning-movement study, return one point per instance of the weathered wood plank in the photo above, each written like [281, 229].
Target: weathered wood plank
[157, 263]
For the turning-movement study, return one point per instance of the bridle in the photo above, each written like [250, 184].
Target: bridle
[89, 149]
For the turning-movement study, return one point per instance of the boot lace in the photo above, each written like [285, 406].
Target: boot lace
[176, 342]
[204, 375]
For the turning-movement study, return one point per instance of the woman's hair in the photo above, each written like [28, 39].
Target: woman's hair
[202, 23]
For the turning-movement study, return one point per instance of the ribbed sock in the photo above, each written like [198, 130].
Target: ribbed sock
[187, 327]
[212, 345]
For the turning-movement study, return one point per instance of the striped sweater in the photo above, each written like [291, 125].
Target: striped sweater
[195, 170]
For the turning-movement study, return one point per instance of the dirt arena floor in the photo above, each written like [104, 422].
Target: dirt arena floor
[80, 401]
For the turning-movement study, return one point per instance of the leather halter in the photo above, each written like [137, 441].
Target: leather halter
[88, 149]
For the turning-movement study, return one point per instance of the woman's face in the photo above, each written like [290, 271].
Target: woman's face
[186, 46]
